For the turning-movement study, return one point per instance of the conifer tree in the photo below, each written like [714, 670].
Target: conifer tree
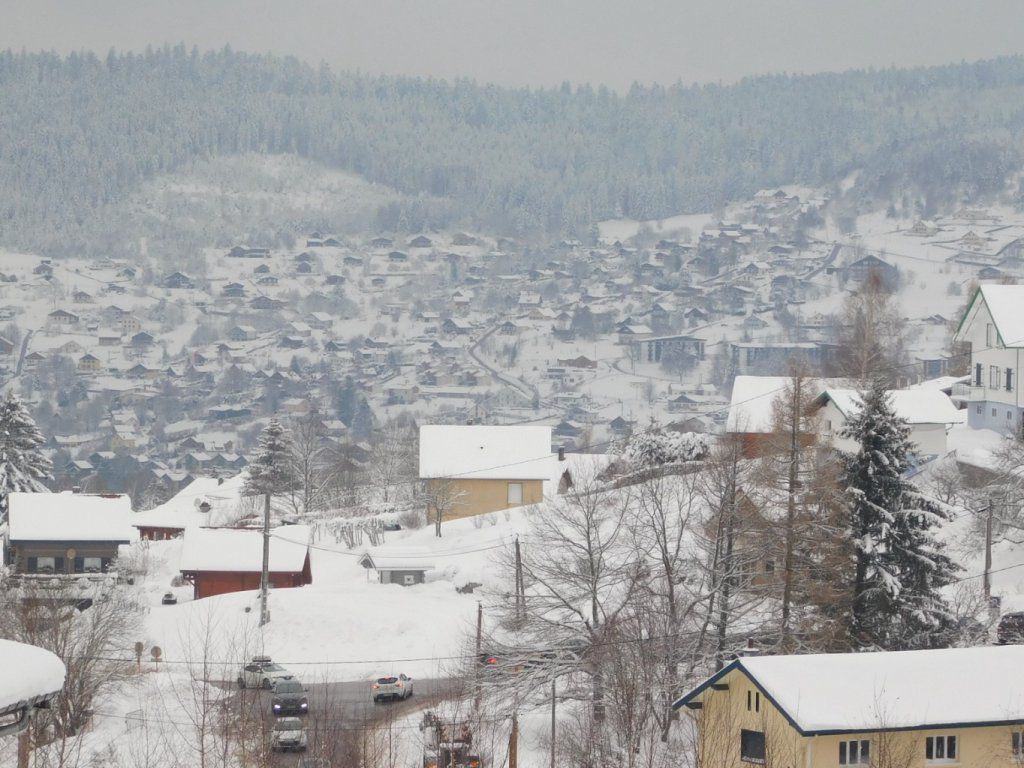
[900, 565]
[271, 472]
[23, 465]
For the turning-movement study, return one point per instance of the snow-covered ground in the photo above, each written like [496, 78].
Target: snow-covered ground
[344, 626]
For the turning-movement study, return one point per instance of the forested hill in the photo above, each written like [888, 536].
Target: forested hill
[81, 132]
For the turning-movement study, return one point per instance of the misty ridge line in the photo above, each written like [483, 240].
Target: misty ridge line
[511, 160]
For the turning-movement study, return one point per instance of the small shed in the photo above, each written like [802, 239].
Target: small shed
[405, 566]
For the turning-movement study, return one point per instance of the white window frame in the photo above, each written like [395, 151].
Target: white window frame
[859, 747]
[46, 562]
[511, 496]
[993, 377]
[945, 740]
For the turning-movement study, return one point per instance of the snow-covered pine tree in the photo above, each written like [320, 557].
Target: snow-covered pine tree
[271, 472]
[23, 466]
[900, 565]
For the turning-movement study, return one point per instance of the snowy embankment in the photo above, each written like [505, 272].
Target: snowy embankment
[345, 625]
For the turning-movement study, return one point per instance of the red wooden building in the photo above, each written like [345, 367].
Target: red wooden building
[221, 560]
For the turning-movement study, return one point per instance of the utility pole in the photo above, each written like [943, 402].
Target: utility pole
[513, 742]
[24, 747]
[520, 591]
[553, 720]
[265, 573]
[479, 645]
[987, 580]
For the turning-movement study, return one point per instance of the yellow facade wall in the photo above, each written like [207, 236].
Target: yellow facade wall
[725, 714]
[478, 497]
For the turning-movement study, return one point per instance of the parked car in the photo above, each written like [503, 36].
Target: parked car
[289, 698]
[393, 688]
[289, 735]
[1011, 628]
[169, 598]
[261, 672]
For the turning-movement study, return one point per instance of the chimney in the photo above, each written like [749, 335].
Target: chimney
[750, 650]
[561, 453]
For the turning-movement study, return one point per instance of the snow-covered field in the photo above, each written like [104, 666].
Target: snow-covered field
[344, 626]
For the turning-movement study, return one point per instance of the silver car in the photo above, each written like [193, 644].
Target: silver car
[289, 735]
[261, 672]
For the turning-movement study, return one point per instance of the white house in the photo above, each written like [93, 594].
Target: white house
[928, 412]
[993, 326]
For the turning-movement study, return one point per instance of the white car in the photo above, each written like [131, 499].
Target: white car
[261, 672]
[391, 687]
[289, 735]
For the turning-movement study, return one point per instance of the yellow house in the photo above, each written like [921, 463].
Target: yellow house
[961, 707]
[472, 470]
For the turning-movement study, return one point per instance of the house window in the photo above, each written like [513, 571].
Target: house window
[753, 701]
[769, 566]
[978, 409]
[855, 752]
[993, 377]
[940, 749]
[993, 413]
[1009, 379]
[45, 565]
[752, 746]
[408, 579]
[977, 374]
[515, 493]
[92, 564]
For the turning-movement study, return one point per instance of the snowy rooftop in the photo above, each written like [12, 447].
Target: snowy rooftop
[70, 517]
[857, 692]
[1004, 303]
[750, 409]
[485, 452]
[27, 673]
[241, 550]
[398, 559]
[915, 406]
[182, 510]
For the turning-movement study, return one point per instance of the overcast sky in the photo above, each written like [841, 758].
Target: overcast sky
[542, 42]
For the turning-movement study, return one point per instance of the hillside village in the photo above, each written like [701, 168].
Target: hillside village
[145, 377]
[432, 551]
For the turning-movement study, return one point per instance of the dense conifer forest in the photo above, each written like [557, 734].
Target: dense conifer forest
[79, 133]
